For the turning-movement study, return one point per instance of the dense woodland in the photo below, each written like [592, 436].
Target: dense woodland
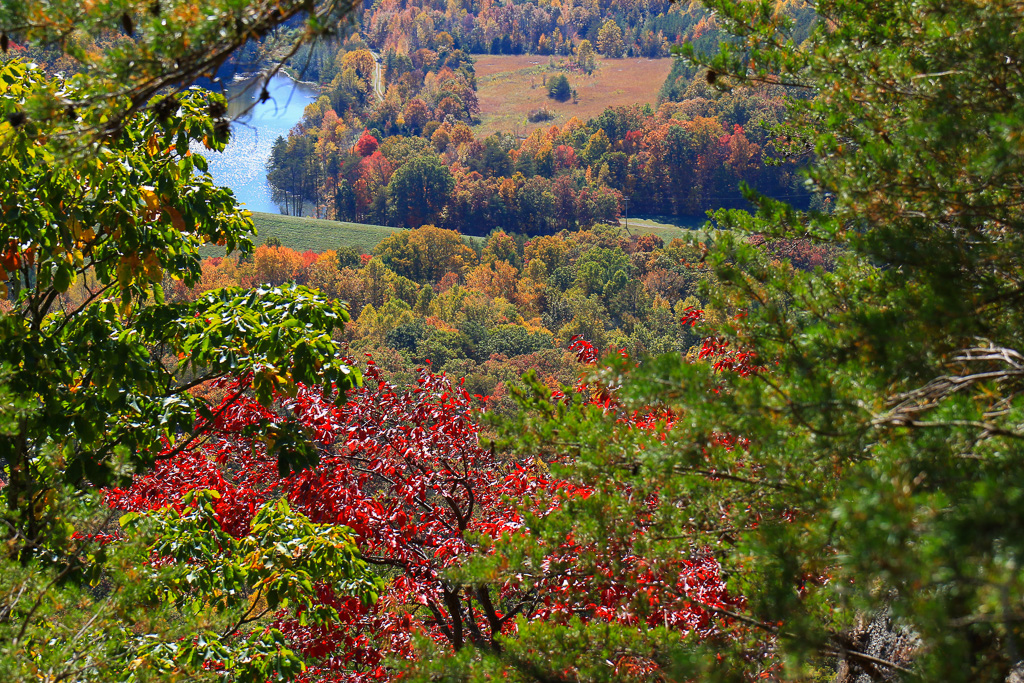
[427, 297]
[617, 28]
[787, 446]
[679, 160]
[683, 159]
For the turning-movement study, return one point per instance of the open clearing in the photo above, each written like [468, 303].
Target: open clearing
[667, 228]
[312, 234]
[510, 86]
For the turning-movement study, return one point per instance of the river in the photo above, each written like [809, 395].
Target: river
[242, 166]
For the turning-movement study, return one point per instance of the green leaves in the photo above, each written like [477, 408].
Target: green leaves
[124, 53]
[92, 337]
[893, 470]
[104, 367]
[101, 202]
[282, 557]
[281, 336]
[281, 563]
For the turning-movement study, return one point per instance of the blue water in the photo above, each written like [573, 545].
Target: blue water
[242, 166]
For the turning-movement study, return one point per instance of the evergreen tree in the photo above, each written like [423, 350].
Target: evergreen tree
[558, 88]
[849, 444]
[419, 191]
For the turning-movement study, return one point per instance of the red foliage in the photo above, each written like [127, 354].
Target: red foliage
[447, 282]
[724, 357]
[716, 350]
[374, 172]
[367, 144]
[404, 469]
[565, 158]
[632, 141]
[645, 243]
[308, 257]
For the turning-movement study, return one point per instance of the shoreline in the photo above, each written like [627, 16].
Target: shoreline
[283, 71]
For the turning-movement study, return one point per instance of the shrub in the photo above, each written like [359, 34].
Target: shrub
[542, 114]
[559, 89]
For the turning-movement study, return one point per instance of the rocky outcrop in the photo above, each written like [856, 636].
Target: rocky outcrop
[877, 651]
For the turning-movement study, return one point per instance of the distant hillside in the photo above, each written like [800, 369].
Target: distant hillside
[515, 27]
[616, 28]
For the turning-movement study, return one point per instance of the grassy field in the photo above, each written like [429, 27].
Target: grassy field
[311, 234]
[666, 228]
[510, 86]
[304, 234]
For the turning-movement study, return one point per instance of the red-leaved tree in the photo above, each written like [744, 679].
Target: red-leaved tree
[404, 469]
[366, 145]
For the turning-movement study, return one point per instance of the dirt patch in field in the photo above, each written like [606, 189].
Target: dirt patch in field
[509, 87]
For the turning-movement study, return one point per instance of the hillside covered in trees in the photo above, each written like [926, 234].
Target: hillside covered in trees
[426, 83]
[683, 159]
[616, 28]
[427, 297]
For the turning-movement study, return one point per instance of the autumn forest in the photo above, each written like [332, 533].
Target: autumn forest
[543, 369]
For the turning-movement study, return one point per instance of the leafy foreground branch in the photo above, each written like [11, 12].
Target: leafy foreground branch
[127, 52]
[97, 374]
[177, 596]
[892, 405]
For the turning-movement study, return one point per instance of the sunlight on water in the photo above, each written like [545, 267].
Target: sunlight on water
[243, 165]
